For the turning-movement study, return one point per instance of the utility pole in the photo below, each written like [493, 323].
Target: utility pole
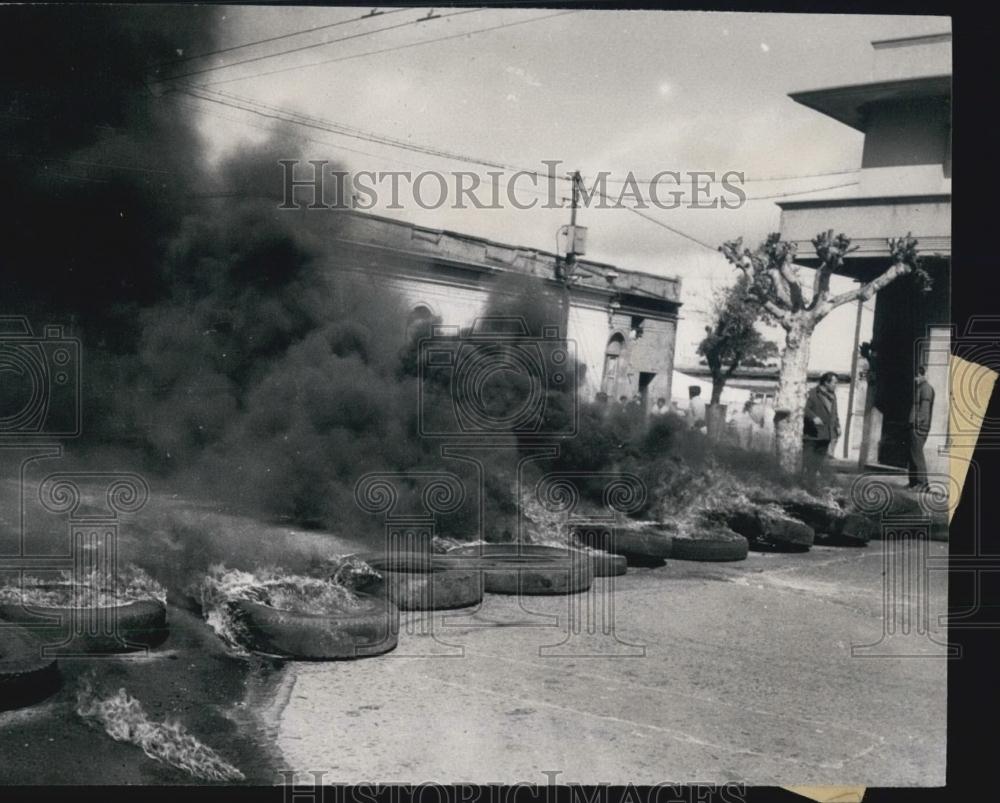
[571, 252]
[564, 269]
[574, 242]
[854, 380]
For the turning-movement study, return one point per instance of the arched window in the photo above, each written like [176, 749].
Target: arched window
[612, 361]
[418, 322]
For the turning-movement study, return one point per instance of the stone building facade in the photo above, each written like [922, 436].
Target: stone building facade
[624, 322]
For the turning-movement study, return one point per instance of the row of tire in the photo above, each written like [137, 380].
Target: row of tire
[403, 582]
[30, 635]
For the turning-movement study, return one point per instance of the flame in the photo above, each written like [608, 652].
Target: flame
[124, 720]
[65, 590]
[276, 589]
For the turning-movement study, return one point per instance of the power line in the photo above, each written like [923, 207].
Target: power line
[678, 232]
[802, 192]
[678, 200]
[370, 15]
[261, 127]
[716, 181]
[789, 194]
[272, 112]
[658, 222]
[389, 49]
[313, 45]
[668, 227]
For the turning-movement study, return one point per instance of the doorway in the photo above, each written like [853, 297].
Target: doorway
[612, 354]
[645, 380]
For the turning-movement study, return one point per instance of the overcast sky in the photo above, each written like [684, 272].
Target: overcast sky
[598, 90]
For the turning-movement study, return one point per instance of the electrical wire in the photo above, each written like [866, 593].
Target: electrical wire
[262, 127]
[673, 180]
[676, 231]
[360, 34]
[272, 112]
[801, 192]
[776, 195]
[336, 128]
[370, 15]
[389, 49]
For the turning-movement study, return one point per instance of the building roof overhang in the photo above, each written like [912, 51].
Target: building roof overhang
[848, 103]
[869, 222]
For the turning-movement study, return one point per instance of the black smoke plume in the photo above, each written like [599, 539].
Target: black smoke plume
[219, 345]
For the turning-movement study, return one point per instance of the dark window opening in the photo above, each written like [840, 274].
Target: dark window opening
[636, 326]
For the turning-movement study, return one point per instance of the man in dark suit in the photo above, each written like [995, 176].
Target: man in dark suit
[920, 427]
[820, 426]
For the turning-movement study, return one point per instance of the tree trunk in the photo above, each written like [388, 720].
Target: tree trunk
[791, 397]
[717, 386]
[715, 421]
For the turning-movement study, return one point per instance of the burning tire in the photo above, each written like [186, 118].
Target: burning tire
[112, 629]
[605, 564]
[853, 530]
[711, 544]
[371, 628]
[25, 676]
[507, 571]
[602, 564]
[423, 583]
[651, 544]
[771, 531]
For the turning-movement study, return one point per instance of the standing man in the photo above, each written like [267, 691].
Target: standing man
[634, 409]
[696, 407]
[920, 427]
[744, 425]
[660, 408]
[820, 425]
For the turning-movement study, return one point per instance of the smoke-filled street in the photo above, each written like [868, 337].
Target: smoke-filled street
[482, 395]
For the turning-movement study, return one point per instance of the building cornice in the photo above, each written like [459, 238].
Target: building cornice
[847, 103]
[448, 272]
[867, 200]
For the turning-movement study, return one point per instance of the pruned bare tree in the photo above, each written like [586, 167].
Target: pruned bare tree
[782, 290]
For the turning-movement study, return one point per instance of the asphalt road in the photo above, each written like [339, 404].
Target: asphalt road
[713, 673]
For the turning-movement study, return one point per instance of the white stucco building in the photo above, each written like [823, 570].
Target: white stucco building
[624, 322]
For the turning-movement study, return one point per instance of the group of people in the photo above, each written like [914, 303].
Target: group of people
[624, 403]
[820, 427]
[694, 414]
